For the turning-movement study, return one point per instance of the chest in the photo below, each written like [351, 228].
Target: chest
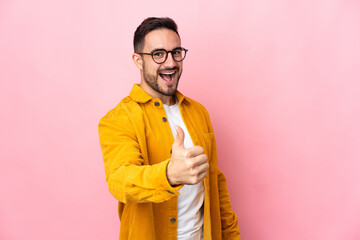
[156, 136]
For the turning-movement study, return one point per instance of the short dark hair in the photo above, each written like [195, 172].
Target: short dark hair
[148, 25]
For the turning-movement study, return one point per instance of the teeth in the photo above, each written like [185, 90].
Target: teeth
[168, 73]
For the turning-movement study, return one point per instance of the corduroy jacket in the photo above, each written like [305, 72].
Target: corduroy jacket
[136, 141]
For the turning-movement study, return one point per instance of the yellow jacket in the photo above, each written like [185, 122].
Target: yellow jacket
[136, 142]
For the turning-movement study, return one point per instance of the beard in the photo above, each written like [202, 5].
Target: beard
[152, 81]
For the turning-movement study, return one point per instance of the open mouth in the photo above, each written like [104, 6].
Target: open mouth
[168, 76]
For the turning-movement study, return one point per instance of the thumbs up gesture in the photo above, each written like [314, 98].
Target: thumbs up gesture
[186, 166]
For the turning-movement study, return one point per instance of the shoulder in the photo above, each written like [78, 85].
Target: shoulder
[123, 115]
[200, 109]
[123, 108]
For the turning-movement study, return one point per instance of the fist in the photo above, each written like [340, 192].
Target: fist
[186, 166]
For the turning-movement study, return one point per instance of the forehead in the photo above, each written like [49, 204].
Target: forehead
[161, 38]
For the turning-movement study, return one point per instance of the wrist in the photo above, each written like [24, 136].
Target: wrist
[169, 175]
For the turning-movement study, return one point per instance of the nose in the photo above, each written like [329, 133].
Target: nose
[170, 62]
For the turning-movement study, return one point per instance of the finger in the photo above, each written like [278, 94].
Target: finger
[196, 178]
[202, 176]
[198, 160]
[194, 151]
[180, 136]
[203, 167]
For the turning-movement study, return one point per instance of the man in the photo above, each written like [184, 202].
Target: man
[159, 150]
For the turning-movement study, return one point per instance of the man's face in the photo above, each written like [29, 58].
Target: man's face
[161, 79]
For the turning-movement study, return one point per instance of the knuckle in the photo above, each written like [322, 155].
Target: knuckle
[197, 171]
[187, 153]
[190, 164]
[193, 172]
[194, 180]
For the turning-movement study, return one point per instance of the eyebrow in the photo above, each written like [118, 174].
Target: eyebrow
[160, 49]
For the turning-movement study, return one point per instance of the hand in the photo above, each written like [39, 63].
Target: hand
[186, 166]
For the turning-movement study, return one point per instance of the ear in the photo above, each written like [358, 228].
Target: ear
[138, 60]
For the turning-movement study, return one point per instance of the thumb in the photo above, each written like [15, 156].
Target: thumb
[180, 136]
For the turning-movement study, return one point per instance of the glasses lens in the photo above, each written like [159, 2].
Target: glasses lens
[178, 54]
[159, 56]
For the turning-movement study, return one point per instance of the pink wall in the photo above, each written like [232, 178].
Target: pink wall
[279, 78]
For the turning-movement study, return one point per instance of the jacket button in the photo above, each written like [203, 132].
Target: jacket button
[164, 119]
[172, 220]
[170, 151]
[157, 104]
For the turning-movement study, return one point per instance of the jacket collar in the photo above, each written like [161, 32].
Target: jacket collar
[139, 95]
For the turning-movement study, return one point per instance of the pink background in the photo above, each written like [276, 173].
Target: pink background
[281, 80]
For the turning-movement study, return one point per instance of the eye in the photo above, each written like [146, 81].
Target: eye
[158, 54]
[177, 52]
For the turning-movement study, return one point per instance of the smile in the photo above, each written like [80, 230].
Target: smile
[168, 76]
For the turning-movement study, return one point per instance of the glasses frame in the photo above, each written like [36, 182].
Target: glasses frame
[167, 53]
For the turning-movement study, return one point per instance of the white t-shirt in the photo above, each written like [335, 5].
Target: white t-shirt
[190, 214]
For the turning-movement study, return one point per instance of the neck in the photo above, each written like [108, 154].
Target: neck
[169, 100]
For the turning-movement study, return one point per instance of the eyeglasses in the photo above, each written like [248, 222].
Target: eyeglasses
[160, 55]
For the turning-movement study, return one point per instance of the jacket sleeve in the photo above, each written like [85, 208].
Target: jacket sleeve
[229, 222]
[129, 179]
